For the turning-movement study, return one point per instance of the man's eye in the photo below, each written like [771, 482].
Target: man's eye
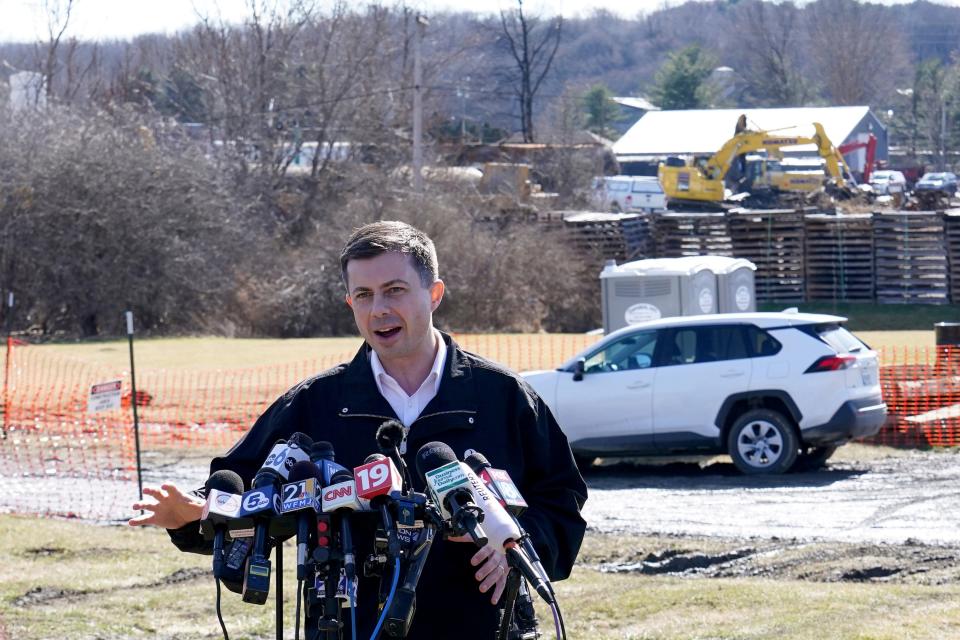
[395, 290]
[362, 295]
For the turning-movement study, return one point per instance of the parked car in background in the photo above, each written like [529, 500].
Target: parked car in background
[773, 390]
[938, 182]
[888, 182]
[628, 193]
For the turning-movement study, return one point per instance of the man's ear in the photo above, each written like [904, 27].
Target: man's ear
[436, 294]
[348, 300]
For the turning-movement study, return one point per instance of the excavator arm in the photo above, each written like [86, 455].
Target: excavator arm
[705, 183]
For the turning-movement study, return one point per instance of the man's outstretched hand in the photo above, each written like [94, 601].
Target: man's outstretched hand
[170, 508]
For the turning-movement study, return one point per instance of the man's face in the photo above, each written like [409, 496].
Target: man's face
[392, 308]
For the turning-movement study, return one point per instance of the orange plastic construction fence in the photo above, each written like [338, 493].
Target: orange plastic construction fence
[59, 458]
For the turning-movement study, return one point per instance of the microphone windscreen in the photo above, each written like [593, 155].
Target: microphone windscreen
[226, 481]
[302, 470]
[341, 476]
[321, 450]
[390, 435]
[374, 456]
[477, 462]
[302, 440]
[433, 455]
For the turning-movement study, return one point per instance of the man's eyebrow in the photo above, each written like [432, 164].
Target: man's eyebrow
[385, 285]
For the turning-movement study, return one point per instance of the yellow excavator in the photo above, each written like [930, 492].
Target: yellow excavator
[701, 181]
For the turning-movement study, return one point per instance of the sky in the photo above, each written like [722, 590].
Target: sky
[24, 20]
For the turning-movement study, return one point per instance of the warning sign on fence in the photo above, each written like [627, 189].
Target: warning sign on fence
[104, 396]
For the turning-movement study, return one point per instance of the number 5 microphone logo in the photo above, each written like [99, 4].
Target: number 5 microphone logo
[377, 478]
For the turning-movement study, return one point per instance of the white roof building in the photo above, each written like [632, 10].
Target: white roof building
[703, 131]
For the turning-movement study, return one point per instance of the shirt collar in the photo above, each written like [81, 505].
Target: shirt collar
[435, 374]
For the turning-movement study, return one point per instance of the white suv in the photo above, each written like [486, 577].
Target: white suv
[774, 390]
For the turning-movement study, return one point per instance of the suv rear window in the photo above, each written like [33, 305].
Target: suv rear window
[761, 343]
[841, 340]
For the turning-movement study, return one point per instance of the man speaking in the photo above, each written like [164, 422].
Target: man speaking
[409, 371]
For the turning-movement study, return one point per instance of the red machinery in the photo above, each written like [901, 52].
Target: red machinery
[871, 146]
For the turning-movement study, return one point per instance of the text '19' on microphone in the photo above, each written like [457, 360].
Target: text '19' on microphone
[377, 480]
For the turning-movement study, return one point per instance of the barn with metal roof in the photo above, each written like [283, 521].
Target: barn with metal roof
[659, 134]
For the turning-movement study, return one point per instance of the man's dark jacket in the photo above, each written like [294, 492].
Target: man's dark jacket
[479, 406]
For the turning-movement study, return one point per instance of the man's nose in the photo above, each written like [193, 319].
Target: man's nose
[380, 305]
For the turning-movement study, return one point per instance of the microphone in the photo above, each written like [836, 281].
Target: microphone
[284, 455]
[442, 473]
[500, 525]
[276, 468]
[499, 482]
[300, 495]
[341, 493]
[377, 478]
[223, 502]
[392, 440]
[343, 499]
[503, 487]
[321, 453]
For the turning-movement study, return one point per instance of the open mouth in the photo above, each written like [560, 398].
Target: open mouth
[387, 333]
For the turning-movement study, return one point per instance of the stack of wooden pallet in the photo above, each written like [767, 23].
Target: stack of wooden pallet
[608, 236]
[911, 259]
[677, 234]
[773, 239]
[839, 257]
[951, 221]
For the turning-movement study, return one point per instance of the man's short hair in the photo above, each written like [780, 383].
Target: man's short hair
[386, 236]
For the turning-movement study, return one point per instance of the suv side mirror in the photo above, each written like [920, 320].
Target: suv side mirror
[578, 370]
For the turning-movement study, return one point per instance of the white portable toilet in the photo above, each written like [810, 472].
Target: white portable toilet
[736, 286]
[645, 290]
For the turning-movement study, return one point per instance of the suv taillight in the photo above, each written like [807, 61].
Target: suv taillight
[832, 363]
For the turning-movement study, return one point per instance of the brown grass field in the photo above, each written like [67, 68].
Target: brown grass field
[67, 579]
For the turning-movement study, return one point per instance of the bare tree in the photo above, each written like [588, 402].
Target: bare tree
[532, 44]
[859, 50]
[771, 35]
[58, 19]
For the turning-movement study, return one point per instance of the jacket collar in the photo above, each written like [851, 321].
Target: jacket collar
[454, 406]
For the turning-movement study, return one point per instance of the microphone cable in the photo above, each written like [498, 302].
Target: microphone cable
[558, 621]
[219, 613]
[386, 607]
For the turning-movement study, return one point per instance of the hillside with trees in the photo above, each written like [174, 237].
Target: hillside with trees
[206, 179]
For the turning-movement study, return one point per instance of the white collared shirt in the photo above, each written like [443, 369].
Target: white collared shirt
[408, 408]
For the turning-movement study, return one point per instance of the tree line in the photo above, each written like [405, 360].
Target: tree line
[206, 179]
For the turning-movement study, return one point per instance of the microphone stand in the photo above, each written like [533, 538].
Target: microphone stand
[510, 593]
[279, 590]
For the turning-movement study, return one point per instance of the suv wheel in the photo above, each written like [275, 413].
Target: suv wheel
[762, 442]
[811, 458]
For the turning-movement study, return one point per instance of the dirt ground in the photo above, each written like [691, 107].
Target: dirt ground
[873, 514]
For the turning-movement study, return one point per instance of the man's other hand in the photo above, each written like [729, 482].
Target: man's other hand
[170, 508]
[492, 572]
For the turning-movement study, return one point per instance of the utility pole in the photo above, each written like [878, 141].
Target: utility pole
[943, 134]
[422, 23]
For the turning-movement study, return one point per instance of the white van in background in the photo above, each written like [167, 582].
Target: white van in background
[628, 193]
